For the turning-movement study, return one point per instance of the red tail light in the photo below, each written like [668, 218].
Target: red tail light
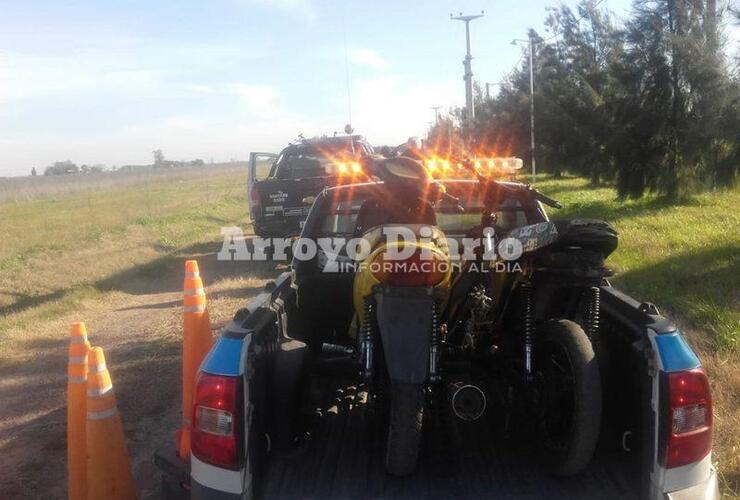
[410, 272]
[689, 425]
[216, 418]
[255, 200]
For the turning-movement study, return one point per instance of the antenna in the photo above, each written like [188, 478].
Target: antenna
[346, 69]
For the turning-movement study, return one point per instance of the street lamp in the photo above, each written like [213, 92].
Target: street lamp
[530, 42]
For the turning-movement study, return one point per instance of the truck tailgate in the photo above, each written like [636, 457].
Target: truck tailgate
[285, 196]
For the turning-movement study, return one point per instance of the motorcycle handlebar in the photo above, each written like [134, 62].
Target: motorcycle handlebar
[378, 166]
[550, 202]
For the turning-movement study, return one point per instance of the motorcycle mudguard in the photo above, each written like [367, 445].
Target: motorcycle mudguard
[405, 323]
[535, 236]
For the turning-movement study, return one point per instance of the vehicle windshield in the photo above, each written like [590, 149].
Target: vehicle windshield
[314, 160]
[341, 216]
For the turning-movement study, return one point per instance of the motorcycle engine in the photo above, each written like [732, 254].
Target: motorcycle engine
[477, 323]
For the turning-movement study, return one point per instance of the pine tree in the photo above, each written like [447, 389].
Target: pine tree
[651, 102]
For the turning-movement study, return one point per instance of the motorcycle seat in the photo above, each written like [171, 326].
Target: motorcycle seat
[591, 234]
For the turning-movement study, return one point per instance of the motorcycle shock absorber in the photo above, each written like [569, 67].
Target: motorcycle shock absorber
[434, 347]
[366, 340]
[527, 293]
[592, 314]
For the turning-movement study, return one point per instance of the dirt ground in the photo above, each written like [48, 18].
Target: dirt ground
[140, 330]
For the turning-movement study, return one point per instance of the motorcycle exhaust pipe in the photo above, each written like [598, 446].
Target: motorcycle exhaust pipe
[468, 401]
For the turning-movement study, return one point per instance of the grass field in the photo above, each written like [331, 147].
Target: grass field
[59, 250]
[42, 186]
[686, 260]
[113, 257]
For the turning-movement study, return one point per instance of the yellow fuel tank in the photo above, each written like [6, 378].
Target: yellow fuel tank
[430, 265]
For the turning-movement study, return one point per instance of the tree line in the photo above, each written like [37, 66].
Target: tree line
[68, 167]
[651, 103]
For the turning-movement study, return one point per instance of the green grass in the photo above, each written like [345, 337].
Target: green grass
[684, 258]
[67, 222]
[59, 252]
[63, 254]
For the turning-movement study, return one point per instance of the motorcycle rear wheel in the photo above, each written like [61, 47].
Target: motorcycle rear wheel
[570, 409]
[406, 416]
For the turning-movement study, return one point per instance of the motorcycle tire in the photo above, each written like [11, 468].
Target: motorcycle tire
[406, 416]
[569, 451]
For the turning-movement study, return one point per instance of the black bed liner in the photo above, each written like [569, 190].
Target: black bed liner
[343, 458]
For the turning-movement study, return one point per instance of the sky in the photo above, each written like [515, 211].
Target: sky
[109, 82]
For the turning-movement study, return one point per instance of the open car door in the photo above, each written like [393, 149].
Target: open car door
[260, 165]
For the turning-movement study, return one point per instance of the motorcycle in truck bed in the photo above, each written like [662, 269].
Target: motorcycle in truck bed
[506, 369]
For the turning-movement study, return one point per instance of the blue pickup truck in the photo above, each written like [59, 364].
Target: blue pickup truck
[280, 411]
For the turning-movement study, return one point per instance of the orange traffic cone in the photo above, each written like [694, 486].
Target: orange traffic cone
[197, 342]
[108, 470]
[76, 387]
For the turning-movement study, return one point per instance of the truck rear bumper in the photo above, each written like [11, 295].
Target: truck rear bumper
[175, 474]
[706, 490]
[278, 227]
[177, 483]
[200, 492]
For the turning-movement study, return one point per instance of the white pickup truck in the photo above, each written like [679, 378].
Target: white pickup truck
[282, 416]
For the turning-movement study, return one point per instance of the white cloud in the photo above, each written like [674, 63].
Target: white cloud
[301, 8]
[390, 109]
[387, 110]
[181, 137]
[258, 99]
[30, 76]
[196, 88]
[128, 66]
[367, 57]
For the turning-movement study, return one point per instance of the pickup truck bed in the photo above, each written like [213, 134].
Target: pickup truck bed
[344, 458]
[342, 455]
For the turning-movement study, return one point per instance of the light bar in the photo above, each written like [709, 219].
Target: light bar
[348, 168]
[503, 164]
[439, 167]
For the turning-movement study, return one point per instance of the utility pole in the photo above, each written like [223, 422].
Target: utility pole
[468, 77]
[436, 113]
[518, 41]
[488, 88]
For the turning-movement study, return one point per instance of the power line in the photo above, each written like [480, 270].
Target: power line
[521, 58]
